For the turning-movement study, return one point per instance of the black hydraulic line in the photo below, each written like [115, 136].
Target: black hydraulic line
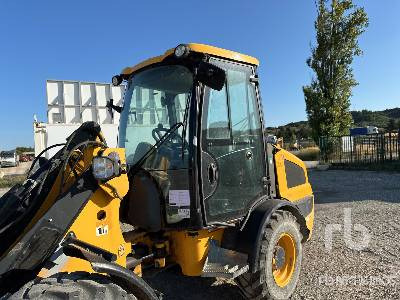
[102, 140]
[40, 154]
[43, 181]
[102, 262]
[102, 144]
[137, 285]
[64, 166]
[72, 167]
[132, 262]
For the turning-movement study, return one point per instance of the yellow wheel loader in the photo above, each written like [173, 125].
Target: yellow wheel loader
[194, 183]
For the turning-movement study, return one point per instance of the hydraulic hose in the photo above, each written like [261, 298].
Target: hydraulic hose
[40, 154]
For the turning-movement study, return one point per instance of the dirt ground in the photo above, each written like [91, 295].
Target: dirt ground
[342, 272]
[21, 169]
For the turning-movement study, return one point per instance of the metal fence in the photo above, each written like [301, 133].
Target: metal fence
[360, 149]
[297, 144]
[306, 143]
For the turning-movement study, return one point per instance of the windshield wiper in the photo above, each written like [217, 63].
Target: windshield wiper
[149, 152]
[185, 124]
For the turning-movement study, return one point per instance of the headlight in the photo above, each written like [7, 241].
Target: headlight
[181, 50]
[105, 167]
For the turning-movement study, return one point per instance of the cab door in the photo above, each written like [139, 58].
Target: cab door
[232, 147]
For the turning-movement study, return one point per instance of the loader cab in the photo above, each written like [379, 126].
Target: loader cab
[194, 148]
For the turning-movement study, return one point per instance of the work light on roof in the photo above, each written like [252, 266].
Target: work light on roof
[116, 80]
[181, 50]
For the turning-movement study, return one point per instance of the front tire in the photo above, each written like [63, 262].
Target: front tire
[280, 257]
[78, 285]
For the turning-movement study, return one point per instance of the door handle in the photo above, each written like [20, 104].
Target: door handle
[212, 173]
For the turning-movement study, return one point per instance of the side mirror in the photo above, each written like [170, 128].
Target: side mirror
[211, 75]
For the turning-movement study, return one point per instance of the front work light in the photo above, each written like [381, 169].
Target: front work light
[181, 50]
[105, 167]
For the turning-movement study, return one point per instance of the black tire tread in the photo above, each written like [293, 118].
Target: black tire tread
[79, 285]
[251, 284]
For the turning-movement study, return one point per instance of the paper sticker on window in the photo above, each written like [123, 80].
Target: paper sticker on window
[179, 198]
[184, 212]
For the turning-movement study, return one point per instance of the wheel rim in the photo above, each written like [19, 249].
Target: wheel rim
[283, 270]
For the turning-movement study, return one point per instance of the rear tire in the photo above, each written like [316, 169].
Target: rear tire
[78, 285]
[263, 284]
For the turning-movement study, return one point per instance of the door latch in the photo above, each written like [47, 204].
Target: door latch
[212, 173]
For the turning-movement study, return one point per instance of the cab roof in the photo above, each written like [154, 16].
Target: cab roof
[211, 50]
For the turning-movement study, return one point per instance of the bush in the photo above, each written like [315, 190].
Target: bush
[11, 180]
[307, 154]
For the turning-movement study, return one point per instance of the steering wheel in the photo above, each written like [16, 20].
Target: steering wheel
[159, 132]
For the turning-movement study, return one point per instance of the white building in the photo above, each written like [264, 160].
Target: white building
[69, 104]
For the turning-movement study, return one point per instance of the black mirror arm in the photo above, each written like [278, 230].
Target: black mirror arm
[254, 79]
[110, 105]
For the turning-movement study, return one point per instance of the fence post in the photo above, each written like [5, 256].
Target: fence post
[351, 149]
[321, 155]
[378, 147]
[398, 144]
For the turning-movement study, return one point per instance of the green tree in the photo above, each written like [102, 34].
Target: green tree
[391, 125]
[293, 138]
[339, 24]
[288, 133]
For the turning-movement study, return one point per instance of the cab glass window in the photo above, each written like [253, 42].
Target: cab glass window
[217, 121]
[233, 142]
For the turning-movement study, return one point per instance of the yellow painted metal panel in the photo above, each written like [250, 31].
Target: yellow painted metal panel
[86, 228]
[190, 249]
[295, 193]
[98, 222]
[211, 50]
[215, 51]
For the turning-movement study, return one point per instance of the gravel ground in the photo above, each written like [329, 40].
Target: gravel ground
[339, 273]
[342, 272]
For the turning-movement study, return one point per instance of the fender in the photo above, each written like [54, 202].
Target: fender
[250, 236]
[103, 262]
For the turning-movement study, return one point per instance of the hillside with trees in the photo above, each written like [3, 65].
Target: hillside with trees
[385, 120]
[381, 119]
